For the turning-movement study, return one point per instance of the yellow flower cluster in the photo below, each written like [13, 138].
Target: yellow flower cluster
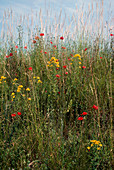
[19, 88]
[93, 143]
[38, 78]
[53, 60]
[79, 57]
[2, 79]
[13, 96]
[15, 79]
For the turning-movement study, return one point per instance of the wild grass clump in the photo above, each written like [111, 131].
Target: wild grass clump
[56, 104]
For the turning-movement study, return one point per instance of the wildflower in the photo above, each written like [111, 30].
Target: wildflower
[13, 115]
[30, 68]
[25, 47]
[84, 113]
[100, 57]
[18, 90]
[39, 81]
[70, 63]
[111, 35]
[100, 145]
[34, 41]
[2, 77]
[27, 89]
[91, 144]
[12, 94]
[11, 54]
[83, 66]
[80, 63]
[34, 77]
[85, 49]
[38, 77]
[16, 46]
[55, 46]
[57, 60]
[45, 52]
[95, 107]
[71, 55]
[20, 86]
[88, 147]
[61, 38]
[66, 73]
[57, 65]
[99, 148]
[13, 97]
[41, 34]
[15, 79]
[51, 42]
[77, 55]
[7, 56]
[58, 92]
[57, 75]
[97, 142]
[23, 95]
[36, 38]
[79, 66]
[41, 51]
[64, 66]
[63, 47]
[57, 68]
[69, 59]
[93, 141]
[29, 98]
[80, 118]
[19, 113]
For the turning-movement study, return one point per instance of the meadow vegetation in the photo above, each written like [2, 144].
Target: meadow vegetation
[56, 103]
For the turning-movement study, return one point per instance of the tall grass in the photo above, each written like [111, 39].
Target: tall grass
[40, 110]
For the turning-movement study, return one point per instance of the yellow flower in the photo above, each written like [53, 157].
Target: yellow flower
[13, 83]
[100, 144]
[70, 63]
[93, 141]
[15, 79]
[38, 77]
[47, 65]
[97, 142]
[91, 144]
[20, 86]
[72, 60]
[57, 65]
[77, 55]
[51, 65]
[0, 82]
[79, 66]
[13, 94]
[23, 95]
[99, 148]
[2, 77]
[88, 147]
[13, 97]
[39, 81]
[18, 90]
[79, 58]
[29, 98]
[34, 77]
[80, 63]
[4, 81]
[27, 89]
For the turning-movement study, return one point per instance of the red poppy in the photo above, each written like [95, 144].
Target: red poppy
[42, 34]
[71, 55]
[16, 46]
[7, 56]
[41, 51]
[95, 107]
[57, 75]
[57, 60]
[45, 52]
[66, 73]
[100, 57]
[55, 46]
[58, 92]
[25, 47]
[61, 38]
[63, 47]
[85, 49]
[83, 66]
[30, 68]
[34, 41]
[80, 118]
[51, 42]
[111, 35]
[84, 113]
[13, 115]
[57, 68]
[69, 59]
[36, 38]
[19, 113]
[11, 54]
[64, 66]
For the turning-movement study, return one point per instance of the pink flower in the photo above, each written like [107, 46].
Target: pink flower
[19, 113]
[84, 113]
[95, 107]
[83, 66]
[57, 75]
[66, 73]
[13, 115]
[61, 38]
[30, 68]
[42, 34]
[80, 118]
